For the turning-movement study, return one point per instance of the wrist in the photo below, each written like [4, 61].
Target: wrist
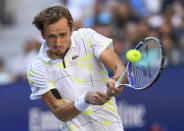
[80, 104]
[114, 78]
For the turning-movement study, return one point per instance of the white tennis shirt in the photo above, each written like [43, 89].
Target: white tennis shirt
[80, 71]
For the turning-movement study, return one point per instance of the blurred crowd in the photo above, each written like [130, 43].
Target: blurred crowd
[130, 21]
[30, 49]
[126, 21]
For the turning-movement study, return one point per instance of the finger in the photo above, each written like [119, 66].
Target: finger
[116, 91]
[109, 93]
[104, 95]
[95, 98]
[98, 101]
[112, 90]
[110, 83]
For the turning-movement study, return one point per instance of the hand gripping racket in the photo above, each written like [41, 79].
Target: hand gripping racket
[144, 73]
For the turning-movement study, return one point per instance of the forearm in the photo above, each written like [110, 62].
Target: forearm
[71, 110]
[62, 110]
[113, 62]
[66, 112]
[117, 70]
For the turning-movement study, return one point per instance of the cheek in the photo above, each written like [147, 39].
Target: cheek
[49, 44]
[66, 40]
[63, 40]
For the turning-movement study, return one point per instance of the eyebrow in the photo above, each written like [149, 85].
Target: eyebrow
[63, 33]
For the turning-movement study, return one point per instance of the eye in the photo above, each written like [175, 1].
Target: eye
[51, 37]
[62, 34]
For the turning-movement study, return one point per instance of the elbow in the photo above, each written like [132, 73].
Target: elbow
[63, 120]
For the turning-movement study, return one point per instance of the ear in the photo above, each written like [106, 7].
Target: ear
[43, 35]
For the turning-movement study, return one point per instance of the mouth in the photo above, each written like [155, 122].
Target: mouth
[60, 51]
[58, 47]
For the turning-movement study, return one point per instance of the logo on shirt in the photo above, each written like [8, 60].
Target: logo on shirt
[74, 57]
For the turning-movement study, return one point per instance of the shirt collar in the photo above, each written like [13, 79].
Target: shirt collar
[43, 53]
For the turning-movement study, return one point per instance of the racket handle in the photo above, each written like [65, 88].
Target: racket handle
[118, 82]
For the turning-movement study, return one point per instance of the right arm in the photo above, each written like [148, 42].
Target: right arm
[67, 111]
[63, 111]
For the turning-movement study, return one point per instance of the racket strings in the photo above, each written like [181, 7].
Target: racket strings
[141, 74]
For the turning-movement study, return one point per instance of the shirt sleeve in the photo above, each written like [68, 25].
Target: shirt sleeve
[38, 78]
[99, 42]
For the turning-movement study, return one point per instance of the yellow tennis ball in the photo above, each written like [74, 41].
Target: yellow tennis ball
[133, 56]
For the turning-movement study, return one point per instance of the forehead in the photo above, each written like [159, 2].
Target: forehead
[60, 26]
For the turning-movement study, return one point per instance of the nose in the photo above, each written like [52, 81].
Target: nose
[57, 41]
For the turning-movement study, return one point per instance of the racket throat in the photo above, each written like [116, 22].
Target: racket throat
[124, 85]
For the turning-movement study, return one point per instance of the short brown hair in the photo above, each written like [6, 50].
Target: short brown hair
[51, 15]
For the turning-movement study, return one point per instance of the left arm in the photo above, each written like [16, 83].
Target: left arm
[110, 59]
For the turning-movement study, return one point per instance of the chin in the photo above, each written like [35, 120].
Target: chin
[59, 53]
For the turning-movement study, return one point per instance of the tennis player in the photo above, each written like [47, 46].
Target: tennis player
[69, 75]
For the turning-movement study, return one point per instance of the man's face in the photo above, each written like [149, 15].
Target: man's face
[57, 36]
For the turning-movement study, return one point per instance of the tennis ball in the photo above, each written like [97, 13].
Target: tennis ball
[133, 56]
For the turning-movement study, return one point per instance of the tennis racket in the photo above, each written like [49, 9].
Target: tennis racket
[143, 74]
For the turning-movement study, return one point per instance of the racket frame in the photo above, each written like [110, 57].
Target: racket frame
[118, 82]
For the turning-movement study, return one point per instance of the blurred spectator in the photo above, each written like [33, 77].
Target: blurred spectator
[120, 16]
[2, 11]
[171, 53]
[6, 17]
[181, 50]
[139, 7]
[5, 76]
[178, 14]
[80, 9]
[129, 22]
[153, 6]
[30, 49]
[99, 16]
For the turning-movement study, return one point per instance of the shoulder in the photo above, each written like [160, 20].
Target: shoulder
[36, 65]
